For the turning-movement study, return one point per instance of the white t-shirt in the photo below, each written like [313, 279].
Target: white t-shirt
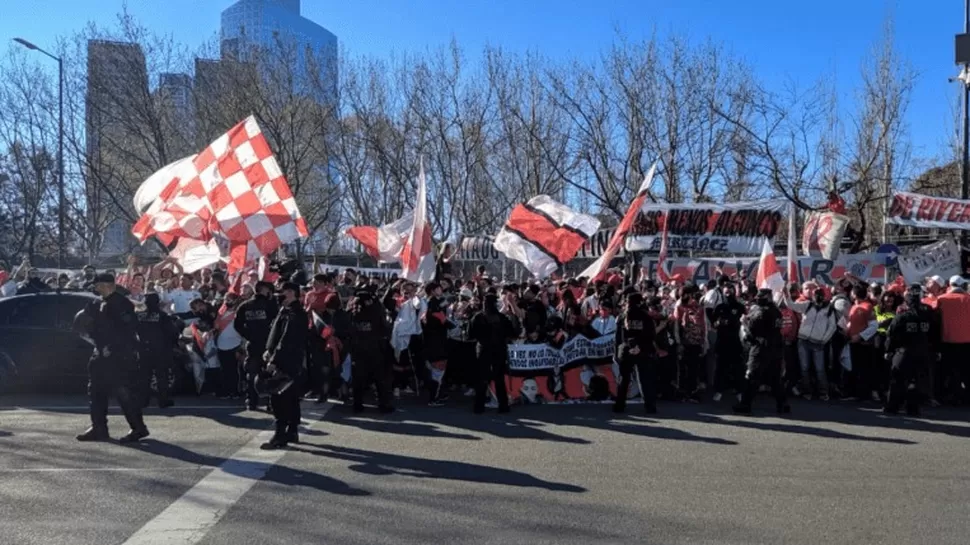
[181, 300]
[228, 339]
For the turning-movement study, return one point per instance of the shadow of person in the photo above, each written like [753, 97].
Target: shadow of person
[509, 426]
[398, 426]
[659, 432]
[252, 469]
[802, 430]
[381, 463]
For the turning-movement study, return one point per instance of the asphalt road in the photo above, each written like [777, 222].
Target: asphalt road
[542, 475]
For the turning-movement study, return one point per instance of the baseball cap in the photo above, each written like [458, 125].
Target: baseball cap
[958, 280]
[938, 280]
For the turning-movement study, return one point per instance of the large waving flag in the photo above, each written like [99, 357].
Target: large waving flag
[233, 188]
[386, 242]
[417, 259]
[602, 263]
[543, 234]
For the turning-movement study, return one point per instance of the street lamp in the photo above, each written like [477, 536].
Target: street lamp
[60, 147]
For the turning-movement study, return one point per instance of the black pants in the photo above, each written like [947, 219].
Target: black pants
[764, 369]
[862, 379]
[113, 377]
[254, 364]
[154, 362]
[646, 373]
[793, 369]
[367, 370]
[319, 363]
[730, 366]
[667, 376]
[954, 374]
[903, 385]
[286, 410]
[491, 367]
[228, 373]
[690, 369]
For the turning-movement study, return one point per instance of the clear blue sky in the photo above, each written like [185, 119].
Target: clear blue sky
[779, 38]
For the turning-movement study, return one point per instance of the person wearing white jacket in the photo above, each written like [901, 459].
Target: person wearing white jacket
[820, 320]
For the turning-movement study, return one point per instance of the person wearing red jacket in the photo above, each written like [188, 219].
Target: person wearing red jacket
[954, 311]
[861, 331]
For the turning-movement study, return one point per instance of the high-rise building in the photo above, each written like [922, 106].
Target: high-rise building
[276, 25]
[117, 83]
[177, 113]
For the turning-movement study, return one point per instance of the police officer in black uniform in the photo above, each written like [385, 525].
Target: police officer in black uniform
[766, 355]
[491, 330]
[157, 334]
[252, 322]
[636, 349]
[284, 357]
[912, 340]
[113, 365]
[369, 335]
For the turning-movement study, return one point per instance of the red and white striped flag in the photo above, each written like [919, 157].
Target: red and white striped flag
[598, 267]
[769, 273]
[544, 234]
[386, 242]
[417, 258]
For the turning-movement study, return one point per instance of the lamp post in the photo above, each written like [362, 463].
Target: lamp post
[60, 147]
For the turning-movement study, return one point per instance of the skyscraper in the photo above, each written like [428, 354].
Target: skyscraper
[117, 82]
[275, 25]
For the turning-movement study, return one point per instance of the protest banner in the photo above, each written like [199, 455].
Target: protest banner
[582, 371]
[823, 232]
[917, 210]
[738, 228]
[362, 271]
[940, 258]
[868, 267]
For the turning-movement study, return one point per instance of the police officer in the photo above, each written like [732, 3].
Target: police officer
[157, 334]
[367, 351]
[252, 322]
[114, 361]
[284, 356]
[912, 340]
[766, 354]
[491, 330]
[635, 349]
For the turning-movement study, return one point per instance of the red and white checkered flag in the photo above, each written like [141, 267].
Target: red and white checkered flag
[235, 188]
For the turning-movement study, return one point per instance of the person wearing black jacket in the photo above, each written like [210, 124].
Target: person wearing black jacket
[284, 356]
[370, 334]
[253, 321]
[157, 334]
[912, 340]
[113, 329]
[435, 329]
[636, 349]
[33, 284]
[335, 329]
[766, 356]
[726, 318]
[491, 330]
[536, 314]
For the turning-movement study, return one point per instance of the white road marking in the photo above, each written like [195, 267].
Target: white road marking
[187, 520]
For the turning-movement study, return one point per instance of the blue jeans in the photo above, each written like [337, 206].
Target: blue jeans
[812, 353]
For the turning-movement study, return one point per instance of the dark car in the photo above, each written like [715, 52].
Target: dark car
[39, 352]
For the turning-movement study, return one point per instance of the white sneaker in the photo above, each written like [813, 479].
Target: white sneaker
[492, 404]
[470, 392]
[795, 391]
[717, 397]
[875, 396]
[397, 393]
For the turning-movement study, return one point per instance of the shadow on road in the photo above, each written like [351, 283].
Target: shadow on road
[253, 469]
[381, 463]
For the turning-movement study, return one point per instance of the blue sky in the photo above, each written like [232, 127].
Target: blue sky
[801, 40]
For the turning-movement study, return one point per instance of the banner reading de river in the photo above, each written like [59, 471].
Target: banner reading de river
[925, 211]
[737, 228]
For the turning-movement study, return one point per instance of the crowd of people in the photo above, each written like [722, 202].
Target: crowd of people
[290, 334]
